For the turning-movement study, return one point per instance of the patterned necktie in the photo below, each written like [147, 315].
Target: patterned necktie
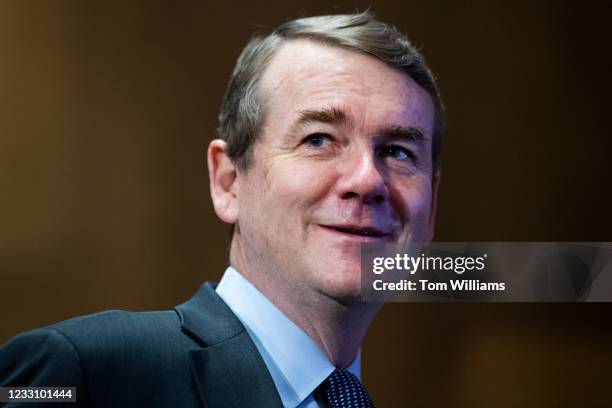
[343, 390]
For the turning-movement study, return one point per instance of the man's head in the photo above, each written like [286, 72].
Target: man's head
[331, 131]
[243, 109]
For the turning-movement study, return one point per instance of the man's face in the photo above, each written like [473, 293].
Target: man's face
[344, 158]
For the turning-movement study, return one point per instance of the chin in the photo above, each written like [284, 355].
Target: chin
[342, 284]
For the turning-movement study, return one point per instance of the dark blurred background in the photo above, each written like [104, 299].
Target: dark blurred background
[106, 109]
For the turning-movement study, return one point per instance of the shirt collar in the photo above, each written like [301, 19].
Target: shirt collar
[295, 362]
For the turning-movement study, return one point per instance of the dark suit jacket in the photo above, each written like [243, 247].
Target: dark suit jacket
[198, 355]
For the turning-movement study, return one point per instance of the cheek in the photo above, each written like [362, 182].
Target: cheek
[299, 186]
[414, 202]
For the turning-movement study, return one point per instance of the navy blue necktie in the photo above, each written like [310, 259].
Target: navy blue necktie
[343, 390]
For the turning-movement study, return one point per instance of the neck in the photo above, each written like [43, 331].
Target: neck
[337, 326]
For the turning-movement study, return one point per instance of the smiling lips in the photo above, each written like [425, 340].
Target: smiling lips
[359, 231]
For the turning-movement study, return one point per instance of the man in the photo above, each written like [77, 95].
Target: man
[330, 136]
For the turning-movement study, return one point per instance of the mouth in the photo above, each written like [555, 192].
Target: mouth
[365, 233]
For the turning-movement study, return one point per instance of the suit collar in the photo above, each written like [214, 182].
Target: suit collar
[227, 368]
[207, 319]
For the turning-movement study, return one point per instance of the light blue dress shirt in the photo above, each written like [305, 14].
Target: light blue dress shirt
[295, 362]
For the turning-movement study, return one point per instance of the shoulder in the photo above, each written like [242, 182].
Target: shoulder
[122, 340]
[29, 358]
[99, 353]
[119, 328]
[101, 335]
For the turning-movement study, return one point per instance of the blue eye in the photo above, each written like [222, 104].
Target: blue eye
[396, 152]
[317, 139]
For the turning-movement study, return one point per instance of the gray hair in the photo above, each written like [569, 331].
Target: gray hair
[241, 115]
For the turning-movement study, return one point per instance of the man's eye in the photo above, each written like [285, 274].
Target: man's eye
[396, 152]
[317, 139]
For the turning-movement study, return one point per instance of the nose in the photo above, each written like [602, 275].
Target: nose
[361, 179]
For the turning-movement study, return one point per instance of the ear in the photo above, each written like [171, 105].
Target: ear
[435, 181]
[223, 181]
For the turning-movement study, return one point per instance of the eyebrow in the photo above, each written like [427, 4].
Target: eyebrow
[407, 133]
[331, 115]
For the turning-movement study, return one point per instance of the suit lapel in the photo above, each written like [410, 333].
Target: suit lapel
[228, 369]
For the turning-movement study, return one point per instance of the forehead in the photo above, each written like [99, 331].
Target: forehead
[309, 75]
